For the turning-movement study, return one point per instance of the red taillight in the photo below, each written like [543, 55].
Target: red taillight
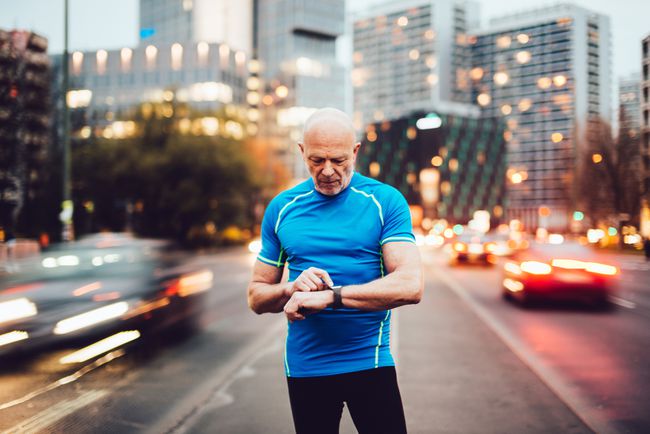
[604, 269]
[568, 264]
[190, 284]
[535, 267]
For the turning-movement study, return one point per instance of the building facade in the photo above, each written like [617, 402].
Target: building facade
[212, 21]
[547, 72]
[296, 44]
[412, 55]
[108, 84]
[629, 104]
[25, 118]
[449, 166]
[645, 136]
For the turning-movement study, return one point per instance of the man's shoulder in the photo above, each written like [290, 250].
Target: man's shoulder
[378, 189]
[303, 189]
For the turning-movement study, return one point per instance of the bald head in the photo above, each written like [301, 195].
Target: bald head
[329, 149]
[329, 121]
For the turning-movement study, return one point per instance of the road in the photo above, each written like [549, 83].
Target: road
[467, 362]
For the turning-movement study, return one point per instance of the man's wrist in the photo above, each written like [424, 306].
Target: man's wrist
[337, 299]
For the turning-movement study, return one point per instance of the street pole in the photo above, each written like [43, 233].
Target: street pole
[66, 204]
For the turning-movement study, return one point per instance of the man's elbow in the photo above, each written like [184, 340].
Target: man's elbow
[252, 303]
[417, 288]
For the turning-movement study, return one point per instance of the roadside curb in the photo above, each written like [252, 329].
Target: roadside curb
[581, 408]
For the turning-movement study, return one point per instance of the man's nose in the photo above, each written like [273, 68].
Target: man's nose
[328, 170]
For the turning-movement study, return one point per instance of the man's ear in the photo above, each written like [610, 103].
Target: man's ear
[302, 148]
[356, 148]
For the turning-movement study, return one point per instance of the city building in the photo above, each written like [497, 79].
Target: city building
[25, 117]
[107, 84]
[645, 136]
[629, 104]
[547, 71]
[296, 43]
[412, 55]
[292, 47]
[213, 21]
[447, 166]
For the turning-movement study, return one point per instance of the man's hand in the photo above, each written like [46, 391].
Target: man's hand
[312, 279]
[302, 303]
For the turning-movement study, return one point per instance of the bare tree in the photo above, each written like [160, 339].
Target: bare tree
[608, 174]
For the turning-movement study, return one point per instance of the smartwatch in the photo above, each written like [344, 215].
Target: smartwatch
[338, 302]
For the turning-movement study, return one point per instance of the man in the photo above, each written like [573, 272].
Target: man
[352, 257]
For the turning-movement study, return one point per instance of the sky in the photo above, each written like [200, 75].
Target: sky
[107, 24]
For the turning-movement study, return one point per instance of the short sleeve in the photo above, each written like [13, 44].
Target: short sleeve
[272, 252]
[397, 219]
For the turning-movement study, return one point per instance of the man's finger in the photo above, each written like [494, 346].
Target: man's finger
[323, 275]
[315, 281]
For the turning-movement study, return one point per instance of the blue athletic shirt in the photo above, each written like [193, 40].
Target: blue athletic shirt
[342, 235]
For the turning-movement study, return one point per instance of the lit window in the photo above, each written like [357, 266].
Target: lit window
[203, 50]
[525, 104]
[476, 73]
[483, 99]
[402, 21]
[501, 78]
[504, 41]
[506, 109]
[77, 62]
[523, 38]
[102, 56]
[126, 54]
[523, 57]
[544, 83]
[559, 80]
[151, 52]
[177, 56]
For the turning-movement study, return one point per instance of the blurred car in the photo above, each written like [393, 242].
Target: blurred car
[471, 248]
[97, 286]
[568, 271]
[507, 244]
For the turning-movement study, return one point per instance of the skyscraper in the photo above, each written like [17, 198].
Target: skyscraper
[547, 71]
[645, 136]
[214, 21]
[412, 55]
[296, 47]
[629, 100]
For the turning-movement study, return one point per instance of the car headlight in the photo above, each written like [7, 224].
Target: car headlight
[16, 309]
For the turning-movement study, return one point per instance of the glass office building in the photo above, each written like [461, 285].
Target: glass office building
[547, 72]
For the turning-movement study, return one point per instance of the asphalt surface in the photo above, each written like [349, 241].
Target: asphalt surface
[467, 362]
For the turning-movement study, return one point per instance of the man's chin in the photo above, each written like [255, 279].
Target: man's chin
[329, 190]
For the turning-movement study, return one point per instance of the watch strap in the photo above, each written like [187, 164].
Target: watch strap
[338, 301]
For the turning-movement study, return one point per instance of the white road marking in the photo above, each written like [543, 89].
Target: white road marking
[65, 380]
[51, 415]
[622, 302]
[580, 407]
[213, 392]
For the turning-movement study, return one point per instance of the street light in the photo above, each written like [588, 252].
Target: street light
[67, 206]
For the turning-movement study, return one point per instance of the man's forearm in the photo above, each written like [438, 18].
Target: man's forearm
[395, 289]
[267, 298]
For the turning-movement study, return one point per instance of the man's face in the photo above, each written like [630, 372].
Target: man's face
[330, 158]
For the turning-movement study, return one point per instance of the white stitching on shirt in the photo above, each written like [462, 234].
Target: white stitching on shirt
[277, 224]
[371, 196]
